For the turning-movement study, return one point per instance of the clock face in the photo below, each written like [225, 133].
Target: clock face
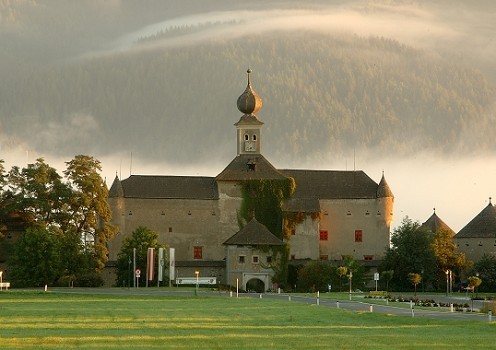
[250, 146]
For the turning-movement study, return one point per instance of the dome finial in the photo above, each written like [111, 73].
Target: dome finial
[249, 102]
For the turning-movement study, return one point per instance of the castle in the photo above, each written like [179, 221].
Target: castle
[342, 213]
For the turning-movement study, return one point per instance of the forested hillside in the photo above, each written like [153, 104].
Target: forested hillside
[322, 95]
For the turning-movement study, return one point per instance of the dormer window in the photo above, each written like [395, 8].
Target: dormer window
[252, 166]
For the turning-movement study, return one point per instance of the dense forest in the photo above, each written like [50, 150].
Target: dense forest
[322, 95]
[172, 99]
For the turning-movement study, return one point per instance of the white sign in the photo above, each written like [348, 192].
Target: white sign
[192, 280]
[138, 273]
[376, 276]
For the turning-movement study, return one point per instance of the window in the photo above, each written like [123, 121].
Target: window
[247, 138]
[170, 229]
[324, 257]
[254, 259]
[293, 257]
[241, 259]
[254, 137]
[323, 235]
[198, 252]
[269, 259]
[368, 257]
[358, 235]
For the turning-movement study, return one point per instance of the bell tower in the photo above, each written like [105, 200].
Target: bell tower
[248, 127]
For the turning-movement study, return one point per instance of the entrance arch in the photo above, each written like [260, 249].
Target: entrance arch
[256, 281]
[256, 285]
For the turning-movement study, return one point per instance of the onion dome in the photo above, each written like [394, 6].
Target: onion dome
[249, 102]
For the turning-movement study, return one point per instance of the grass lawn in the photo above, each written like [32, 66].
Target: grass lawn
[32, 320]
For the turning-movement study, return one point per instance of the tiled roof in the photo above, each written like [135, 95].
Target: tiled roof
[305, 205]
[383, 189]
[178, 187]
[434, 224]
[482, 226]
[331, 184]
[249, 167]
[254, 233]
[116, 188]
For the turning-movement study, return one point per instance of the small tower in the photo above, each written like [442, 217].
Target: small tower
[248, 127]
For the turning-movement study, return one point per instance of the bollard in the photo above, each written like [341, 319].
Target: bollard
[318, 301]
[278, 290]
[337, 304]
[260, 296]
[452, 309]
[371, 308]
[490, 315]
[289, 297]
[46, 287]
[413, 312]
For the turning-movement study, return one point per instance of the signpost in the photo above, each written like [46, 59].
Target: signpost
[376, 278]
[137, 274]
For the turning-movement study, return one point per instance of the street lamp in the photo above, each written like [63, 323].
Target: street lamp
[447, 282]
[196, 289]
[129, 272]
[351, 276]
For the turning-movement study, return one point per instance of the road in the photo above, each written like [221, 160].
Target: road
[357, 304]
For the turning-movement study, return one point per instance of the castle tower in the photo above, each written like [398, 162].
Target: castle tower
[248, 127]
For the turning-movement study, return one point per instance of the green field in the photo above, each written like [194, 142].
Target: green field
[36, 320]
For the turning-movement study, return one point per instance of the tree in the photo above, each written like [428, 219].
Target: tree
[446, 256]
[89, 214]
[315, 276]
[36, 259]
[411, 251]
[38, 194]
[486, 268]
[142, 238]
[71, 211]
[388, 276]
[342, 271]
[415, 279]
[474, 282]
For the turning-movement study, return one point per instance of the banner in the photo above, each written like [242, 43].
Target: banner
[150, 271]
[172, 264]
[161, 264]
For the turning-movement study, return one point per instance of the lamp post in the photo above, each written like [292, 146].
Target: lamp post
[129, 272]
[351, 276]
[477, 274]
[196, 289]
[422, 281]
[447, 282]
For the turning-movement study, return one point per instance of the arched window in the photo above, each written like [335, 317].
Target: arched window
[254, 137]
[247, 137]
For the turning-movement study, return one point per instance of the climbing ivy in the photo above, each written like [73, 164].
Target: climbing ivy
[262, 199]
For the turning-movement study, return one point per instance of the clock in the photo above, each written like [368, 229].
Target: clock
[250, 146]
